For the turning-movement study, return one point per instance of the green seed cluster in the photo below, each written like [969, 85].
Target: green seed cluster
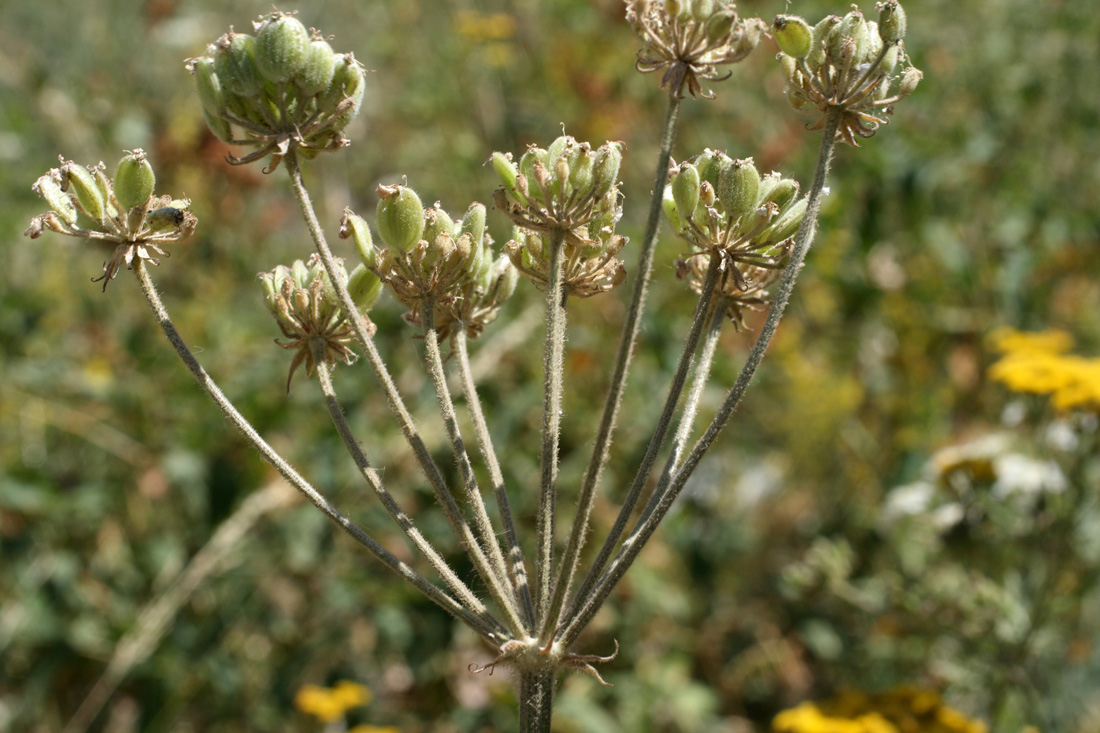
[122, 212]
[724, 208]
[284, 85]
[567, 190]
[848, 63]
[432, 261]
[305, 305]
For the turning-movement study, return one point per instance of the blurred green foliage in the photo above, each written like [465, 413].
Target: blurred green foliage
[975, 207]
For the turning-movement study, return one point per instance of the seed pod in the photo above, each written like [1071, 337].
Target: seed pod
[316, 73]
[720, 25]
[793, 34]
[400, 217]
[301, 274]
[909, 81]
[853, 27]
[364, 287]
[88, 196]
[669, 206]
[822, 31]
[582, 163]
[767, 183]
[505, 275]
[528, 160]
[437, 223]
[281, 45]
[134, 180]
[739, 188]
[350, 77]
[49, 188]
[685, 190]
[701, 10]
[270, 288]
[235, 64]
[473, 223]
[165, 218]
[874, 43]
[786, 224]
[784, 192]
[606, 173]
[352, 225]
[891, 21]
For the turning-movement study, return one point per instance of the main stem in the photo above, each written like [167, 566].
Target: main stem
[633, 544]
[536, 701]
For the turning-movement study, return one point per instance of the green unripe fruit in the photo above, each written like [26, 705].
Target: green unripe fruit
[582, 163]
[134, 180]
[316, 74]
[353, 226]
[793, 34]
[364, 287]
[527, 162]
[701, 10]
[891, 21]
[787, 223]
[235, 64]
[301, 275]
[685, 190]
[208, 85]
[437, 223]
[400, 217]
[853, 27]
[506, 276]
[739, 188]
[281, 45]
[784, 192]
[165, 218]
[669, 206]
[822, 32]
[720, 25]
[711, 163]
[48, 188]
[605, 174]
[80, 181]
[473, 223]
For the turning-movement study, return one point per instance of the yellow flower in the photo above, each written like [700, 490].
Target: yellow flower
[1035, 363]
[1008, 340]
[329, 705]
[908, 709]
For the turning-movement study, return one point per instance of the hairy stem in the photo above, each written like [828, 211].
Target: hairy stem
[641, 534]
[518, 567]
[699, 320]
[292, 477]
[551, 420]
[450, 578]
[536, 701]
[691, 404]
[602, 442]
[359, 325]
[500, 589]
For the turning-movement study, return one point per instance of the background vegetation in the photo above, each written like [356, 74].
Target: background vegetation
[778, 579]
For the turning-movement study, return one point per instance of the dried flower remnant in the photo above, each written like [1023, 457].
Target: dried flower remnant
[122, 212]
[284, 86]
[725, 209]
[304, 304]
[690, 39]
[570, 191]
[848, 63]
